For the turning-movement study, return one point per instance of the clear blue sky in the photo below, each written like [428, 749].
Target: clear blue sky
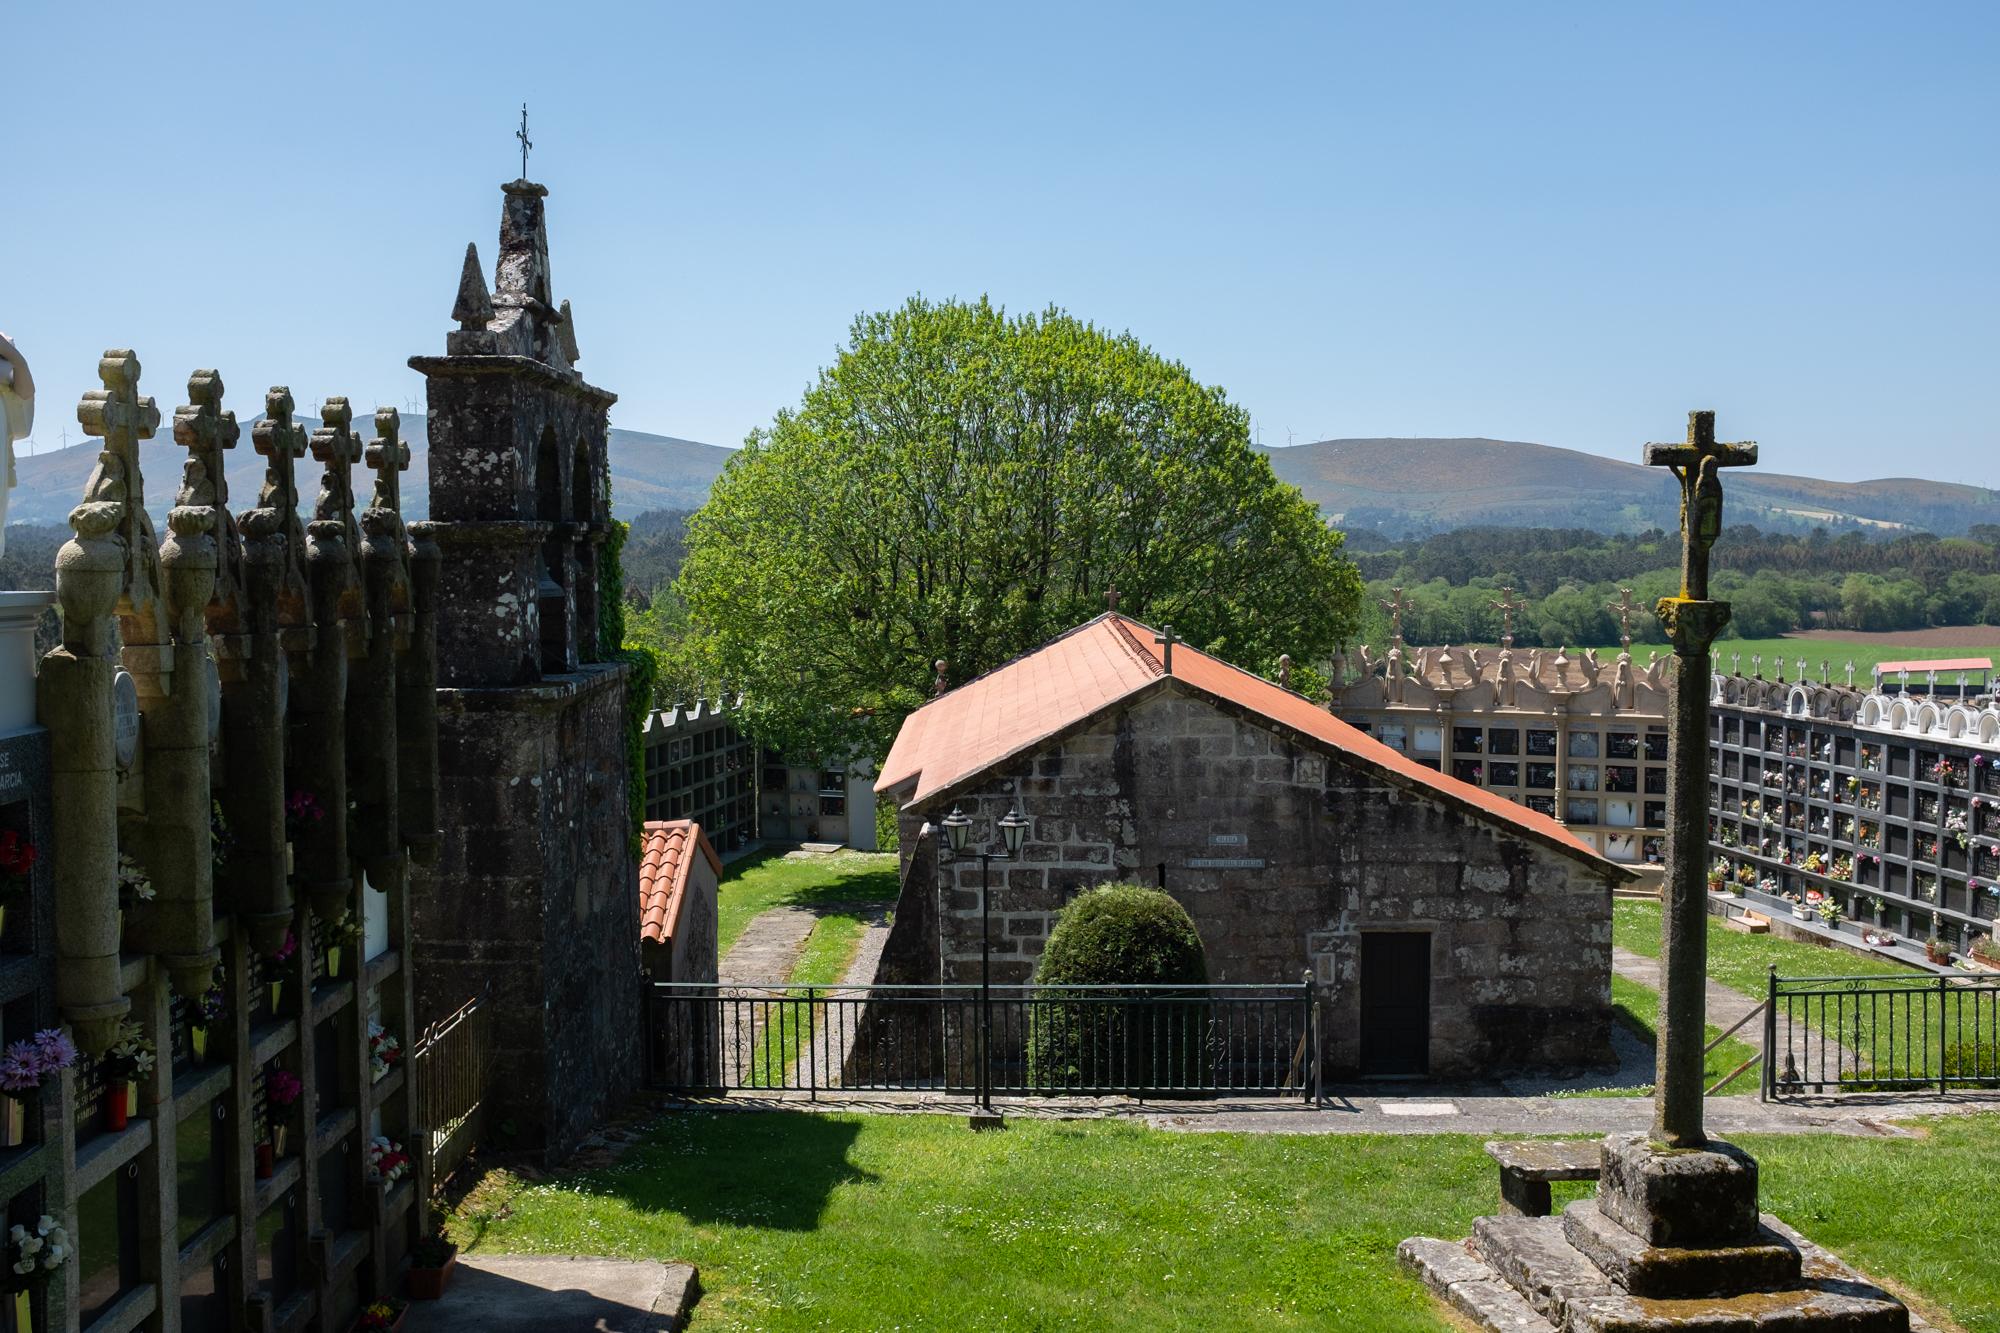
[1564, 223]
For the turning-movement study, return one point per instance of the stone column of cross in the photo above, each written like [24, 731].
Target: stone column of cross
[1111, 597]
[1506, 606]
[1166, 638]
[1692, 623]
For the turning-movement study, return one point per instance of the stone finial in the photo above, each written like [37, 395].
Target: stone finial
[566, 336]
[1111, 597]
[474, 305]
[337, 448]
[207, 433]
[1825, 672]
[1778, 669]
[1395, 606]
[939, 686]
[389, 457]
[1285, 670]
[281, 441]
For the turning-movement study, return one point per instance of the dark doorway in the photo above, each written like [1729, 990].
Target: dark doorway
[1395, 1002]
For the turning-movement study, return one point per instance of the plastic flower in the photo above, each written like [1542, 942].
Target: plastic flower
[56, 1050]
[17, 855]
[288, 947]
[211, 1005]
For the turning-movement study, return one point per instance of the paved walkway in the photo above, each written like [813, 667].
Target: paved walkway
[765, 953]
[1358, 1111]
[524, 1293]
[1725, 1005]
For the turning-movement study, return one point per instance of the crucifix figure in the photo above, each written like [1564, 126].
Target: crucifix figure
[1167, 639]
[1395, 606]
[1623, 609]
[1506, 606]
[1692, 623]
[526, 142]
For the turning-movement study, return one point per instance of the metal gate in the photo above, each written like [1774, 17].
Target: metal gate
[1880, 1034]
[1023, 1040]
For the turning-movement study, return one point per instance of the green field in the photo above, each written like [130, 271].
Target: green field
[1837, 653]
[831, 1221]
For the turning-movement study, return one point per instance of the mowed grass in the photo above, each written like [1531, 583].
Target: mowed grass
[903, 1222]
[1638, 1008]
[758, 883]
[1743, 962]
[1837, 653]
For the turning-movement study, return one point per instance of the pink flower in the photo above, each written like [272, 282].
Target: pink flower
[286, 949]
[282, 1087]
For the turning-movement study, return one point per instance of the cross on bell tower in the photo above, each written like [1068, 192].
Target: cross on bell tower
[526, 142]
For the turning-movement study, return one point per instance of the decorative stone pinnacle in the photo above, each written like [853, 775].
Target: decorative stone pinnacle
[389, 457]
[1623, 609]
[1111, 597]
[1285, 670]
[939, 686]
[474, 305]
[280, 440]
[337, 449]
[207, 433]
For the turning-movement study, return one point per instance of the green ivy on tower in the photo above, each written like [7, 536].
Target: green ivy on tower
[644, 663]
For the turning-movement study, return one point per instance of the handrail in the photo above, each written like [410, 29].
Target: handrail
[709, 987]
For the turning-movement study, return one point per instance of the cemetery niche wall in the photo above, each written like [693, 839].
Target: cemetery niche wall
[533, 902]
[240, 763]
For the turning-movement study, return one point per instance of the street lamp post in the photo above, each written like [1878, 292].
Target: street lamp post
[958, 833]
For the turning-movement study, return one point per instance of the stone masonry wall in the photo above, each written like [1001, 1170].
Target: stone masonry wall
[1520, 934]
[537, 857]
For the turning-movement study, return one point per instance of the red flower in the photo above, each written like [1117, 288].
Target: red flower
[17, 854]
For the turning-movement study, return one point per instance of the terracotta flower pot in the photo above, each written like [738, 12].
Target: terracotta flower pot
[428, 1284]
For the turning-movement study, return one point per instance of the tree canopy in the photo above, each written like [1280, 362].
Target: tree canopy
[963, 484]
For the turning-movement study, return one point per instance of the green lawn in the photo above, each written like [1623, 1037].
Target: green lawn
[808, 1221]
[758, 883]
[1638, 1008]
[1743, 962]
[1837, 652]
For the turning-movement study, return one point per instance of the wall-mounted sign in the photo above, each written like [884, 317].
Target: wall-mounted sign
[1228, 839]
[125, 718]
[1225, 863]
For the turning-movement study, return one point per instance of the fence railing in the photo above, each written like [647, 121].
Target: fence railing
[452, 1063]
[1881, 1034]
[1023, 1040]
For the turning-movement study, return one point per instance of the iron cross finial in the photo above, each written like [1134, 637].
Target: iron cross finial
[526, 142]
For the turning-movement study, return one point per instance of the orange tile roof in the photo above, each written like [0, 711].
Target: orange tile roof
[1919, 667]
[665, 857]
[1016, 707]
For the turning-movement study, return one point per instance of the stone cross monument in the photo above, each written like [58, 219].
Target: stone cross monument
[1506, 606]
[1692, 621]
[1623, 609]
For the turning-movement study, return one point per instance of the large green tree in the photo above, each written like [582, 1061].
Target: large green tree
[962, 484]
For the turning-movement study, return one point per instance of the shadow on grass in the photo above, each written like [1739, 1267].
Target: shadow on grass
[774, 1171]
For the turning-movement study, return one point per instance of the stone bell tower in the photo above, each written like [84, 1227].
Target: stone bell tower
[533, 898]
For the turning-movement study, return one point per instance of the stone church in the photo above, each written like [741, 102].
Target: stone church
[1453, 932]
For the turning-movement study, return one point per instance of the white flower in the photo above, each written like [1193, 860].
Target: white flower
[18, 1234]
[24, 1266]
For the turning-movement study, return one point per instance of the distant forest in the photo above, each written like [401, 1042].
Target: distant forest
[1775, 582]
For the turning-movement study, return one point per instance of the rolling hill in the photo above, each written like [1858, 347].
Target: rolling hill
[1395, 487]
[1416, 486]
[647, 472]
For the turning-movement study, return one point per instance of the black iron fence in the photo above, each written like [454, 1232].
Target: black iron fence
[1881, 1034]
[452, 1063]
[1021, 1040]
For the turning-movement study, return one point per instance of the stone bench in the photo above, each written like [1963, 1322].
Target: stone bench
[1528, 1165]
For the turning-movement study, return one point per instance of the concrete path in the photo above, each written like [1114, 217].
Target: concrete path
[767, 948]
[529, 1293]
[764, 955]
[1360, 1111]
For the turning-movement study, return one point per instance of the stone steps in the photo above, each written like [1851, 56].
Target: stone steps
[1522, 1275]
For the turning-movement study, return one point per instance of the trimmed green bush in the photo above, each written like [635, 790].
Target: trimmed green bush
[1120, 935]
[1123, 934]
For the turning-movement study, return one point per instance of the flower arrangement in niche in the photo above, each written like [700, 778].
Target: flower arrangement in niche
[1944, 773]
[282, 1087]
[135, 886]
[38, 1250]
[387, 1162]
[130, 1054]
[381, 1315]
[29, 1061]
[383, 1051]
[340, 933]
[302, 811]
[219, 840]
[17, 860]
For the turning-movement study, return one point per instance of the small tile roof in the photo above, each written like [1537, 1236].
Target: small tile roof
[1016, 707]
[666, 855]
[1919, 667]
